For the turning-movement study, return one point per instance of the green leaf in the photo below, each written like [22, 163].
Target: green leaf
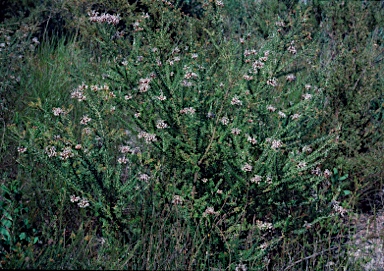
[22, 235]
[343, 177]
[7, 215]
[6, 234]
[35, 240]
[5, 189]
[335, 171]
[6, 223]
[347, 192]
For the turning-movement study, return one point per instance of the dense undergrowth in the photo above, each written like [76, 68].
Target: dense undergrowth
[236, 135]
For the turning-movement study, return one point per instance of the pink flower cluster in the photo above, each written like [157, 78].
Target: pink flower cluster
[247, 167]
[272, 82]
[190, 75]
[276, 144]
[188, 111]
[256, 179]
[292, 48]
[210, 211]
[236, 101]
[57, 111]
[252, 140]
[250, 52]
[66, 153]
[148, 137]
[85, 119]
[144, 84]
[177, 200]
[78, 93]
[104, 18]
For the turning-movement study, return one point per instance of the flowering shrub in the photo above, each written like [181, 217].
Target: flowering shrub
[220, 139]
[197, 136]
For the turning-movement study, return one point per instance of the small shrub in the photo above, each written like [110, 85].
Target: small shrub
[209, 133]
[190, 137]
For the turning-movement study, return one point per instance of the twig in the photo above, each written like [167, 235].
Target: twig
[309, 257]
[2, 138]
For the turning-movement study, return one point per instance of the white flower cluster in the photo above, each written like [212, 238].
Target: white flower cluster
[136, 26]
[160, 124]
[307, 149]
[247, 77]
[307, 96]
[224, 120]
[301, 165]
[295, 116]
[96, 88]
[188, 111]
[276, 144]
[177, 200]
[82, 202]
[78, 93]
[271, 108]
[257, 65]
[148, 137]
[144, 84]
[265, 57]
[236, 101]
[339, 209]
[291, 77]
[85, 119]
[241, 267]
[161, 97]
[104, 18]
[316, 171]
[219, 3]
[122, 160]
[57, 111]
[263, 225]
[125, 149]
[66, 153]
[236, 131]
[292, 48]
[21, 149]
[256, 179]
[186, 83]
[175, 50]
[327, 173]
[272, 82]
[247, 167]
[282, 114]
[209, 211]
[252, 140]
[250, 52]
[144, 177]
[190, 75]
[51, 151]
